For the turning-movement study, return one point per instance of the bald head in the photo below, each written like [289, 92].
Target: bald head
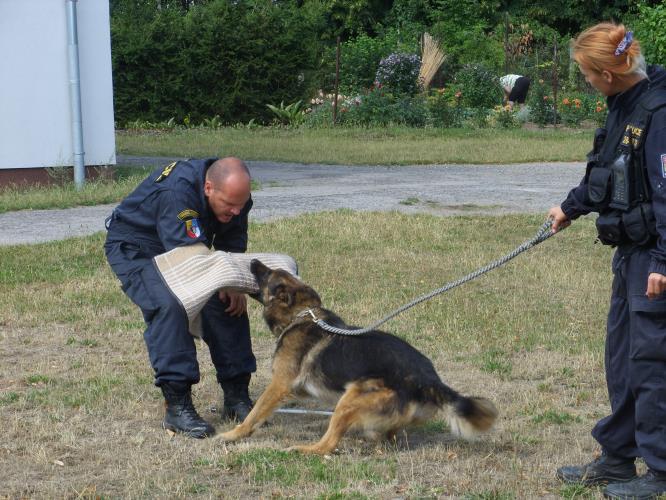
[227, 187]
[227, 167]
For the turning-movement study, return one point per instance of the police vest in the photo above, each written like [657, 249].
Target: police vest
[617, 179]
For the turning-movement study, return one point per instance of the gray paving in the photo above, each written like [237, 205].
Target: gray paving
[289, 189]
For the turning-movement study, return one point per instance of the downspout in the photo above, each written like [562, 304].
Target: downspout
[75, 94]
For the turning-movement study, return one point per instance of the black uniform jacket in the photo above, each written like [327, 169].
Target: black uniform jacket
[169, 209]
[620, 107]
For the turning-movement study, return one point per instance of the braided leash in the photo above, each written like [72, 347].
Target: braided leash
[543, 234]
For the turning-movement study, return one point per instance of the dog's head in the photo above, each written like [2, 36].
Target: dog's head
[283, 296]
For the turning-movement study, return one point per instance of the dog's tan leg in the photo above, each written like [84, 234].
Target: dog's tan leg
[263, 408]
[362, 403]
[279, 388]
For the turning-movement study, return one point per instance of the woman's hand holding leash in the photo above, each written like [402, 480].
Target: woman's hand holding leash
[560, 221]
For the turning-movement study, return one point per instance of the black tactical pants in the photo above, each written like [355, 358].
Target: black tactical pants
[171, 348]
[635, 365]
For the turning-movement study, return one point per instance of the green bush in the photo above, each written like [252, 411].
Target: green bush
[290, 114]
[218, 58]
[540, 102]
[467, 45]
[399, 72]
[480, 87]
[444, 109]
[376, 107]
[504, 117]
[575, 107]
[319, 114]
[360, 57]
[650, 29]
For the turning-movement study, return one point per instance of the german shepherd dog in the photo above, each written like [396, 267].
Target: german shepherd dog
[378, 382]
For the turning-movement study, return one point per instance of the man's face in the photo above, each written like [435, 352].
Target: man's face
[229, 198]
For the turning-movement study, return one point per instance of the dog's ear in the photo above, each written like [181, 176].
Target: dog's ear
[258, 268]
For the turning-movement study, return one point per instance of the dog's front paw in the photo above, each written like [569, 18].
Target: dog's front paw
[233, 435]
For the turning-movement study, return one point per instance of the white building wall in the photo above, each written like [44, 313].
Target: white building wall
[35, 117]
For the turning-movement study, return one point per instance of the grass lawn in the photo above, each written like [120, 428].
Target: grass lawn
[364, 146]
[82, 419]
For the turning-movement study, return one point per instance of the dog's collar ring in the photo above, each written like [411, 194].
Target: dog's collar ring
[307, 312]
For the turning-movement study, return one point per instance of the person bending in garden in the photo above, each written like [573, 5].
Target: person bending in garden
[625, 183]
[515, 89]
[181, 204]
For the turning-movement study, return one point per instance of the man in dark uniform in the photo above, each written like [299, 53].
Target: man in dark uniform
[181, 204]
[626, 184]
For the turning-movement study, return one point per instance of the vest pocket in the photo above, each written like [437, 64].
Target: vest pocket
[599, 186]
[609, 228]
[636, 223]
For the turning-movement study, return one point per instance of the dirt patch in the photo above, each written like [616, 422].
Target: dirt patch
[85, 421]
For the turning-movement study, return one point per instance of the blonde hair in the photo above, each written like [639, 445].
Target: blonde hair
[595, 49]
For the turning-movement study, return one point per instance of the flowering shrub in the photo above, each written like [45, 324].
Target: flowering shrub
[504, 117]
[576, 107]
[541, 103]
[600, 112]
[572, 112]
[380, 107]
[444, 108]
[480, 87]
[376, 107]
[399, 72]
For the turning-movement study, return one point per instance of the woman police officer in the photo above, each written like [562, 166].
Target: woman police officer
[625, 183]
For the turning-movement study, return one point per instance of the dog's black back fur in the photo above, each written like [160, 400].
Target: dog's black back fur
[378, 355]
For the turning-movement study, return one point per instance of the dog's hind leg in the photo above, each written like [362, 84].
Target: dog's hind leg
[366, 404]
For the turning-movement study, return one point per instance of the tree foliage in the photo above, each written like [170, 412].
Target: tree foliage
[202, 58]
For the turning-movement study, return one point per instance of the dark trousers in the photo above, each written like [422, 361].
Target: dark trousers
[171, 348]
[635, 365]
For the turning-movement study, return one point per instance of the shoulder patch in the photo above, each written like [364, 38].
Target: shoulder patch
[188, 213]
[192, 228]
[165, 173]
[663, 165]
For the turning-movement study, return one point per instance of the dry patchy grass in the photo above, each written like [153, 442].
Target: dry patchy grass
[81, 418]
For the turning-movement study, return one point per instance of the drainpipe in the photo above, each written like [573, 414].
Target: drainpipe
[75, 94]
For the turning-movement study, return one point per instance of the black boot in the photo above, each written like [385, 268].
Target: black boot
[651, 485]
[180, 414]
[605, 469]
[237, 402]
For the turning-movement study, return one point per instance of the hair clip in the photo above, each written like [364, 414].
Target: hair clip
[624, 44]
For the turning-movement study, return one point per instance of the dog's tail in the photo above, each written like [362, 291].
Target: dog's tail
[468, 416]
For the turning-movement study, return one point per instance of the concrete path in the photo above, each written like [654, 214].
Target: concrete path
[289, 189]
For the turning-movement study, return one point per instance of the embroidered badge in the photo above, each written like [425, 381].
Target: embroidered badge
[193, 228]
[663, 166]
[188, 213]
[165, 173]
[632, 136]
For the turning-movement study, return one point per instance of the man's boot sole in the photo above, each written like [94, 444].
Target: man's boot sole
[192, 434]
[595, 481]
